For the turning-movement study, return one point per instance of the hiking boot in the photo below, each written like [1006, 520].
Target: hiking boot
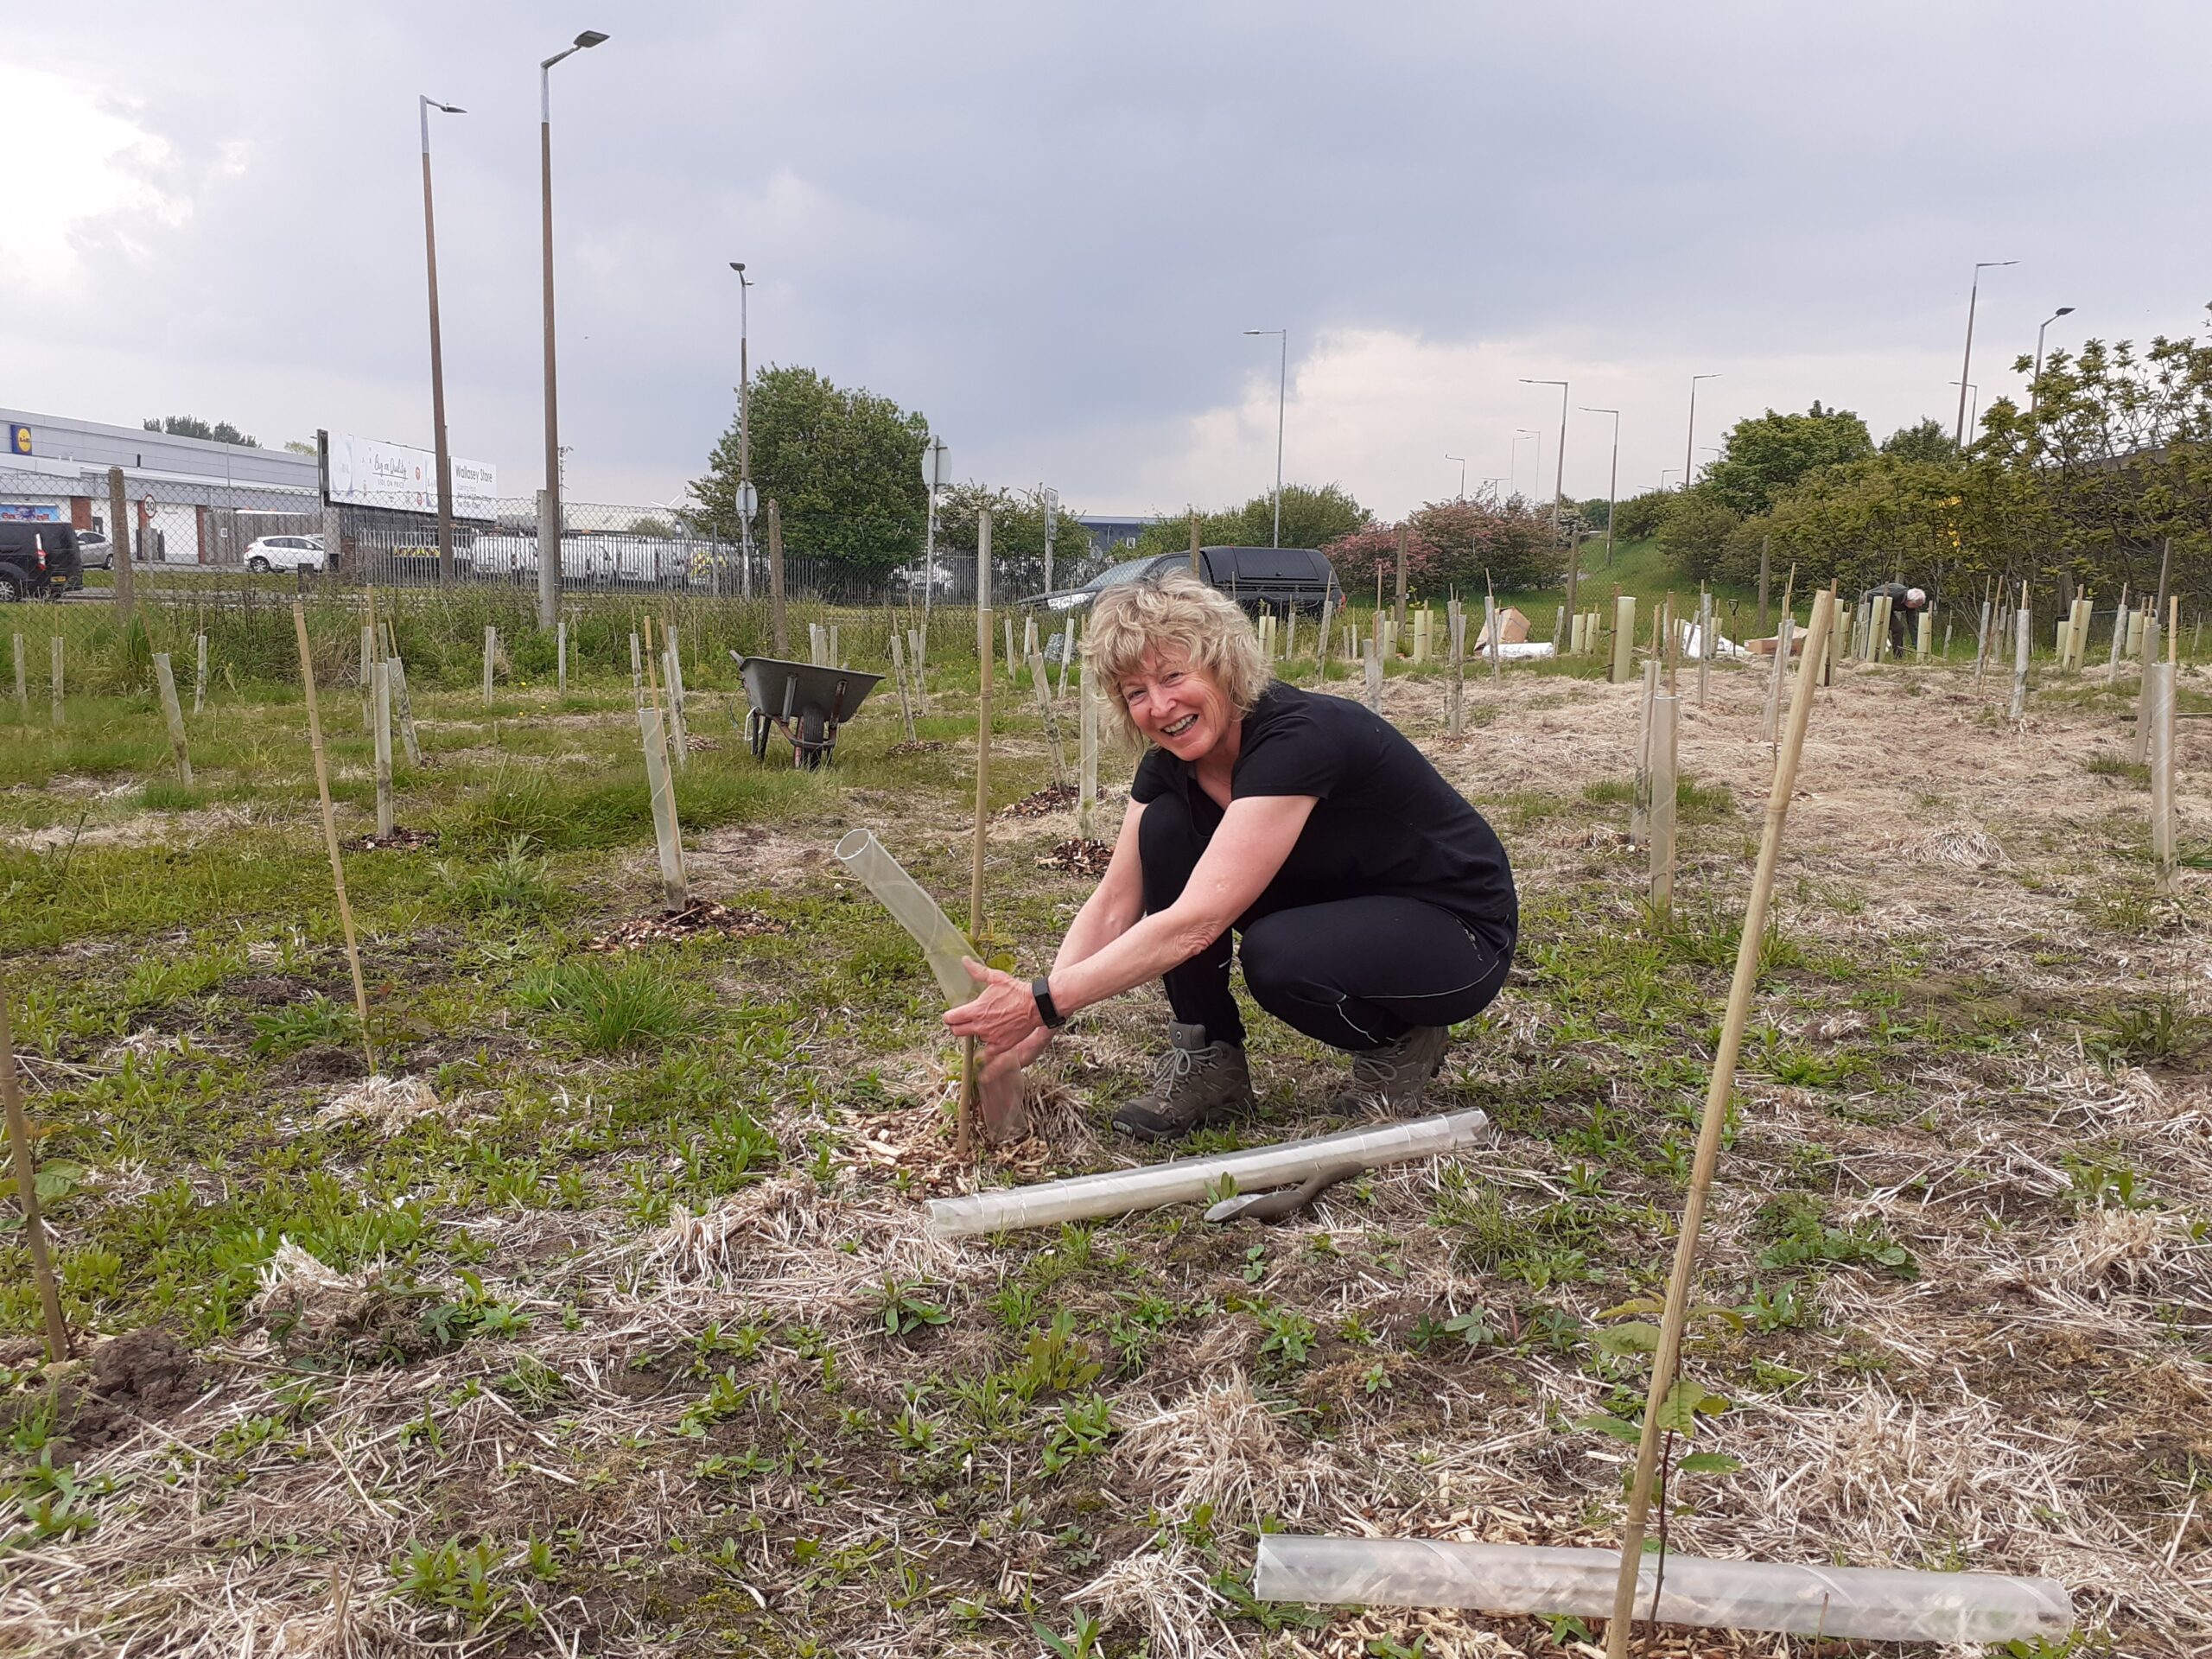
[1196, 1082]
[1391, 1079]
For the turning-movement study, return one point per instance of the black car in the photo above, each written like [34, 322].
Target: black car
[37, 560]
[1262, 579]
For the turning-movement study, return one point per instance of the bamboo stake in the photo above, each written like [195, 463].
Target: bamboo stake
[899, 673]
[380, 689]
[58, 653]
[1067, 652]
[173, 715]
[1086, 809]
[1722, 1085]
[330, 830]
[1664, 710]
[963, 1127]
[836, 657]
[915, 639]
[19, 1148]
[199, 681]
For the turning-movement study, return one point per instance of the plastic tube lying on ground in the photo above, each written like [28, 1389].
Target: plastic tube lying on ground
[1846, 1603]
[1118, 1192]
[942, 943]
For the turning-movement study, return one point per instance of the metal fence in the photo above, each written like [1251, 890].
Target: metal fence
[207, 533]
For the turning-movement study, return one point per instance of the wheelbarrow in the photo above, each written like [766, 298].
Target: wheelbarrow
[805, 702]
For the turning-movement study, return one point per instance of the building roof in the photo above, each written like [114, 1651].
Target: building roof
[65, 447]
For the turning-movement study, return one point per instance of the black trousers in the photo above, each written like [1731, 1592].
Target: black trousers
[1353, 973]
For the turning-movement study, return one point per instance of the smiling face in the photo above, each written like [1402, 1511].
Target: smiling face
[1178, 705]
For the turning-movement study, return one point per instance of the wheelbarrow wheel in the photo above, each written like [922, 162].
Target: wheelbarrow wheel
[813, 748]
[756, 733]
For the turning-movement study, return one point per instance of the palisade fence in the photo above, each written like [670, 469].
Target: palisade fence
[216, 538]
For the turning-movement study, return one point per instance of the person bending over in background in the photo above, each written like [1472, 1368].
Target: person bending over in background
[1375, 906]
[1903, 601]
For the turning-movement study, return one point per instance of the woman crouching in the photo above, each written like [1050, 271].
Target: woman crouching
[1375, 907]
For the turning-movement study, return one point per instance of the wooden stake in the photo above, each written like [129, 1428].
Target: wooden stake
[675, 888]
[19, 1148]
[368, 657]
[1721, 1087]
[330, 831]
[1639, 803]
[1664, 708]
[22, 682]
[2158, 678]
[1086, 808]
[1704, 644]
[58, 652]
[1042, 685]
[1398, 613]
[491, 653]
[899, 673]
[963, 1128]
[199, 679]
[1067, 652]
[1456, 621]
[561, 657]
[1490, 620]
[118, 541]
[380, 675]
[173, 715]
[2139, 750]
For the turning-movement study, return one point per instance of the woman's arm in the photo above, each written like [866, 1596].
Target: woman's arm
[1255, 837]
[1115, 904]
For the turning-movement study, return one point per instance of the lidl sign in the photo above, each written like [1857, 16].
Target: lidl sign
[19, 440]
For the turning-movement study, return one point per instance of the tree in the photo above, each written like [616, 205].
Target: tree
[1926, 441]
[1640, 516]
[1593, 512]
[1509, 545]
[843, 466]
[1764, 456]
[1017, 542]
[191, 426]
[1696, 532]
[1311, 517]
[1359, 557]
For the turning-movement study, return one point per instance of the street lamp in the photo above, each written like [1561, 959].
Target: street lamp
[1519, 433]
[548, 510]
[1965, 369]
[2062, 311]
[747, 497]
[1663, 471]
[1613, 487]
[1689, 441]
[1976, 391]
[1559, 482]
[1462, 460]
[1282, 390]
[424, 104]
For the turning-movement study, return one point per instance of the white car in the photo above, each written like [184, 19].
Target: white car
[286, 553]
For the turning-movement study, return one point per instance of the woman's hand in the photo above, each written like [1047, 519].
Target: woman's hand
[1003, 1013]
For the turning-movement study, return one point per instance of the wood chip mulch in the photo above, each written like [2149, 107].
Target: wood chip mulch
[401, 840]
[699, 916]
[1056, 797]
[918, 746]
[1078, 857]
[703, 745]
[919, 1143]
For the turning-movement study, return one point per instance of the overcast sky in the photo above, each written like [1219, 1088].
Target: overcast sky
[1046, 226]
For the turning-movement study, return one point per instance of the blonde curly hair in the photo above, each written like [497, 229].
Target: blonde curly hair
[1172, 611]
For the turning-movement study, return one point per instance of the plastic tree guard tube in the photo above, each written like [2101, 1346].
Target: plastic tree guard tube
[1118, 1192]
[942, 943]
[1847, 1603]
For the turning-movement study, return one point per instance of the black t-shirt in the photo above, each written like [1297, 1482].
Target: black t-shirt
[1384, 821]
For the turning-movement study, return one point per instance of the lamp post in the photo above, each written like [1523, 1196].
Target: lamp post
[1975, 420]
[1965, 369]
[1462, 460]
[1283, 391]
[746, 495]
[1559, 480]
[549, 511]
[2062, 311]
[1519, 433]
[1689, 441]
[1663, 471]
[424, 104]
[1613, 482]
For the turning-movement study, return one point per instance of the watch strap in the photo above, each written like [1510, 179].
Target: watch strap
[1041, 989]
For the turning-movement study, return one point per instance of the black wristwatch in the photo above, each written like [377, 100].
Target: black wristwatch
[1042, 990]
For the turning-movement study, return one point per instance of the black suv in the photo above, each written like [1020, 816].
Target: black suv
[1261, 579]
[37, 560]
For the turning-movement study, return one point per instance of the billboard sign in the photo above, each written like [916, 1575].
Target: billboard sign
[368, 472]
